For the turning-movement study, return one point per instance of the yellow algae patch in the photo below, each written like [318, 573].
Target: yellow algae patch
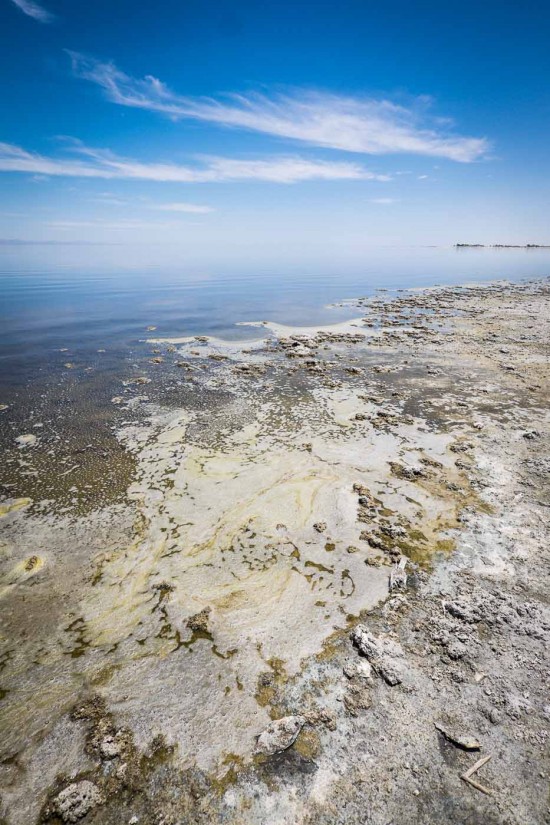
[22, 571]
[11, 505]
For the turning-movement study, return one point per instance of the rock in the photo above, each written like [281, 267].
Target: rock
[199, 622]
[456, 650]
[359, 668]
[76, 800]
[110, 747]
[279, 735]
[384, 654]
[462, 740]
[26, 440]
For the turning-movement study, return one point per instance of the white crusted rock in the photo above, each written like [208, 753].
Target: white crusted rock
[358, 668]
[279, 735]
[76, 800]
[384, 654]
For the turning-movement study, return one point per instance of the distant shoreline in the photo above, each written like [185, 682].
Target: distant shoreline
[502, 246]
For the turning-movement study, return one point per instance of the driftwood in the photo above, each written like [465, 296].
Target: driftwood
[467, 776]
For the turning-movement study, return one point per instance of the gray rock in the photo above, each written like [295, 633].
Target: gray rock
[279, 735]
[357, 667]
[76, 800]
[384, 654]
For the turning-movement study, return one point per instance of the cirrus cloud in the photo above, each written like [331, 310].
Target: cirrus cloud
[102, 163]
[32, 9]
[351, 124]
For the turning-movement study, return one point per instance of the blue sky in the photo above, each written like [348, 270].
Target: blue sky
[255, 128]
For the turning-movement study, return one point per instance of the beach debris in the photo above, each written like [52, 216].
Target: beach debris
[383, 653]
[26, 440]
[467, 776]
[3, 407]
[279, 735]
[462, 740]
[77, 800]
[320, 526]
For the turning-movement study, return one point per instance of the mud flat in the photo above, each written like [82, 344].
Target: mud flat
[321, 598]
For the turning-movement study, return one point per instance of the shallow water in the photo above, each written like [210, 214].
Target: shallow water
[84, 298]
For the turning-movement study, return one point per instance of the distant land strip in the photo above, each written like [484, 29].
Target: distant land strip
[502, 245]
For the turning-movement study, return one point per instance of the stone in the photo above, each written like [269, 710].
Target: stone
[110, 747]
[199, 622]
[357, 668]
[465, 741]
[279, 735]
[384, 654]
[77, 800]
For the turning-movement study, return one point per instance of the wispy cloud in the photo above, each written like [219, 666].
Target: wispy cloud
[362, 125]
[193, 208]
[384, 201]
[101, 163]
[128, 224]
[32, 9]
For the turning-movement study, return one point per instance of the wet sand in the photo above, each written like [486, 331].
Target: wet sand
[391, 473]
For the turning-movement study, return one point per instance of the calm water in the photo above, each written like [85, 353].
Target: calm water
[85, 298]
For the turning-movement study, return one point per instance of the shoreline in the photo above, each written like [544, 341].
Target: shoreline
[261, 527]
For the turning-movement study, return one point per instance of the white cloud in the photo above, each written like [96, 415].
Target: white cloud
[101, 163]
[384, 201]
[32, 9]
[362, 125]
[193, 208]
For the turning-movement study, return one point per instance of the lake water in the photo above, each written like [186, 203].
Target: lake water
[78, 299]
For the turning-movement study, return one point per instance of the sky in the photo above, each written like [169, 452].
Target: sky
[275, 129]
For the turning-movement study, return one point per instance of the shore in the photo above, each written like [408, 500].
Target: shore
[344, 527]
